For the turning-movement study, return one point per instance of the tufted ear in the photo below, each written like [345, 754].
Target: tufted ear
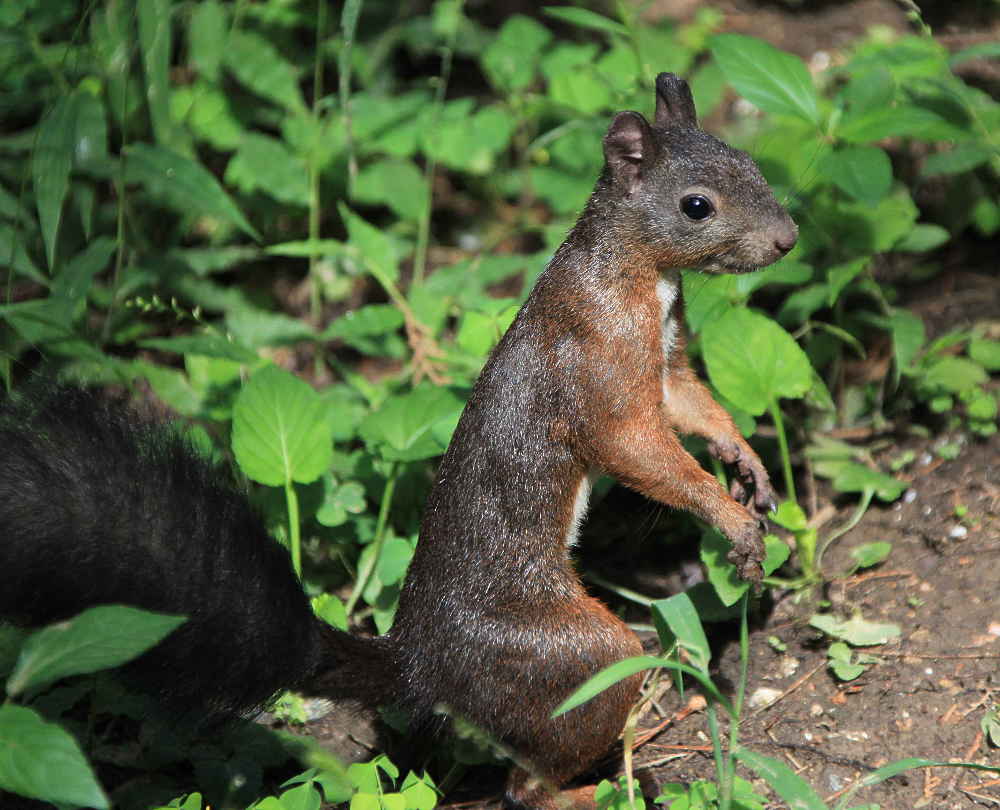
[628, 148]
[674, 103]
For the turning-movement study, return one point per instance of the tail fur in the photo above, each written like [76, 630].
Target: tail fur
[98, 507]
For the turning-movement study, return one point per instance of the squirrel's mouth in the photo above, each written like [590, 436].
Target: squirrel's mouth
[727, 264]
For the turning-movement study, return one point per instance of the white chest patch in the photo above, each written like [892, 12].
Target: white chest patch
[667, 290]
[580, 503]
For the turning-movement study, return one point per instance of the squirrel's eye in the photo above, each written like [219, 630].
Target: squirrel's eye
[697, 207]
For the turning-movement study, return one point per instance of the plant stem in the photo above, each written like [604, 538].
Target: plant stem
[365, 574]
[866, 498]
[786, 460]
[734, 722]
[424, 224]
[294, 530]
[315, 303]
[348, 24]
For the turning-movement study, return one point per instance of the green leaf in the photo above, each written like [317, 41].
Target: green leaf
[898, 767]
[986, 352]
[907, 330]
[396, 183]
[922, 238]
[773, 80]
[864, 172]
[256, 64]
[184, 185]
[264, 164]
[621, 670]
[854, 477]
[281, 432]
[792, 788]
[963, 157]
[402, 429]
[99, 638]
[155, 26]
[789, 515]
[887, 122]
[378, 251]
[722, 573]
[583, 18]
[753, 361]
[394, 560]
[208, 345]
[856, 631]
[51, 163]
[340, 501]
[952, 375]
[869, 554]
[840, 662]
[511, 59]
[40, 760]
[840, 276]
[678, 613]
[256, 328]
[207, 34]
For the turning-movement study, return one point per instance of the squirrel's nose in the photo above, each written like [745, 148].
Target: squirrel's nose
[785, 238]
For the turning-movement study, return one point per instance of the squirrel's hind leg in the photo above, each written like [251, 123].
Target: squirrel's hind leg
[556, 750]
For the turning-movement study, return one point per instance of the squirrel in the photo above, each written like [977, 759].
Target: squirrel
[493, 623]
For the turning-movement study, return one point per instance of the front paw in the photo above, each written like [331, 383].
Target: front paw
[747, 553]
[751, 485]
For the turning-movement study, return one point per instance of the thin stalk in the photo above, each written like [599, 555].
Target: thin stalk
[365, 574]
[348, 24]
[866, 498]
[786, 460]
[294, 530]
[315, 303]
[715, 734]
[734, 723]
[424, 224]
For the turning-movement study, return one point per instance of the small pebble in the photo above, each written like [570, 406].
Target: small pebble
[909, 496]
[958, 532]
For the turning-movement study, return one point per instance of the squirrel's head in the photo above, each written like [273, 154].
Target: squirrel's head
[686, 196]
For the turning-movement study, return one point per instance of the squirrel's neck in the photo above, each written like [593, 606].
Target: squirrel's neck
[604, 246]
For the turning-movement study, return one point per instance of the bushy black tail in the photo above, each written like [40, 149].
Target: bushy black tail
[98, 507]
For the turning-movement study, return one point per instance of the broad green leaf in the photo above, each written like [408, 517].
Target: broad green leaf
[281, 432]
[722, 573]
[266, 165]
[872, 90]
[341, 501]
[402, 429]
[155, 26]
[678, 614]
[886, 122]
[582, 89]
[922, 238]
[792, 788]
[986, 352]
[854, 477]
[377, 250]
[776, 81]
[709, 297]
[398, 184]
[74, 280]
[256, 64]
[356, 326]
[510, 60]
[51, 163]
[583, 18]
[99, 638]
[789, 515]
[301, 797]
[962, 158]
[840, 661]
[840, 276]
[393, 560]
[42, 761]
[753, 361]
[256, 328]
[953, 375]
[184, 185]
[207, 38]
[856, 631]
[907, 330]
[208, 345]
[206, 110]
[864, 172]
[869, 554]
[418, 794]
